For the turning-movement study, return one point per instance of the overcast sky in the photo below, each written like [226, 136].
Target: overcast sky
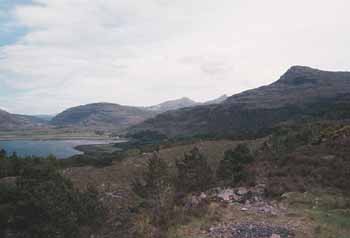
[56, 54]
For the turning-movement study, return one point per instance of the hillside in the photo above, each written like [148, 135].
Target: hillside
[173, 105]
[118, 117]
[216, 100]
[183, 103]
[10, 121]
[297, 181]
[301, 93]
[101, 116]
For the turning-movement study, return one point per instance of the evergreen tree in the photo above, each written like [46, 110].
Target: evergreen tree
[154, 187]
[42, 203]
[3, 154]
[194, 173]
[231, 167]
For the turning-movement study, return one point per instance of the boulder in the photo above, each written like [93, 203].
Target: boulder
[242, 191]
[275, 236]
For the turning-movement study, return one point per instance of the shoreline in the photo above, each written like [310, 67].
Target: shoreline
[33, 138]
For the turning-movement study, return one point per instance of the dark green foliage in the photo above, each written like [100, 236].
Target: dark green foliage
[2, 154]
[236, 121]
[194, 173]
[146, 141]
[231, 168]
[155, 189]
[103, 162]
[286, 139]
[42, 203]
[309, 157]
[148, 136]
[154, 179]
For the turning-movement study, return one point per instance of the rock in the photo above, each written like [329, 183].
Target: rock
[242, 191]
[328, 157]
[203, 196]
[251, 230]
[275, 236]
[226, 195]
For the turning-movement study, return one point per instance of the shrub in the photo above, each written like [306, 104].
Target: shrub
[194, 173]
[43, 203]
[155, 189]
[3, 154]
[231, 168]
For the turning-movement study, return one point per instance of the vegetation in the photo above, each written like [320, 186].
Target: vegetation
[166, 185]
[194, 173]
[37, 201]
[155, 188]
[231, 169]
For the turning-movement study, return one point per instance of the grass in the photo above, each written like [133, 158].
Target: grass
[332, 223]
[328, 219]
[328, 211]
[197, 223]
[50, 134]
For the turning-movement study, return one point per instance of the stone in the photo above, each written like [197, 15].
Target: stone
[275, 236]
[242, 191]
[226, 194]
[251, 230]
[203, 196]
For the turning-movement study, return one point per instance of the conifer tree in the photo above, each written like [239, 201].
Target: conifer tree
[194, 173]
[154, 187]
[231, 167]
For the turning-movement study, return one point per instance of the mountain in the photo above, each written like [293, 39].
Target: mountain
[114, 116]
[101, 116]
[172, 105]
[216, 100]
[299, 85]
[182, 103]
[301, 93]
[10, 121]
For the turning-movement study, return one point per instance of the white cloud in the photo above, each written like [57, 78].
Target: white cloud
[143, 52]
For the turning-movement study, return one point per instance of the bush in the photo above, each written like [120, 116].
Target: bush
[155, 189]
[43, 203]
[231, 168]
[194, 173]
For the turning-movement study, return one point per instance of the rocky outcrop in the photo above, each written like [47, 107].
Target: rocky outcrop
[250, 230]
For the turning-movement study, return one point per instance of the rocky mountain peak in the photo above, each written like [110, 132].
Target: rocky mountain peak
[299, 75]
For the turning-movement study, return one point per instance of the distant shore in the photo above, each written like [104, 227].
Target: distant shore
[55, 138]
[54, 135]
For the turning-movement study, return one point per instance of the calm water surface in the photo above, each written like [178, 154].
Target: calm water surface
[59, 148]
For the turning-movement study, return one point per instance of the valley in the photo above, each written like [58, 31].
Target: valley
[174, 119]
[269, 162]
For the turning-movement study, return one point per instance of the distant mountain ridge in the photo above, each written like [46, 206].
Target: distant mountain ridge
[101, 116]
[302, 92]
[172, 105]
[105, 116]
[299, 85]
[10, 121]
[183, 103]
[109, 116]
[216, 100]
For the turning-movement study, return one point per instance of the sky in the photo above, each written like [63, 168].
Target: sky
[56, 54]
